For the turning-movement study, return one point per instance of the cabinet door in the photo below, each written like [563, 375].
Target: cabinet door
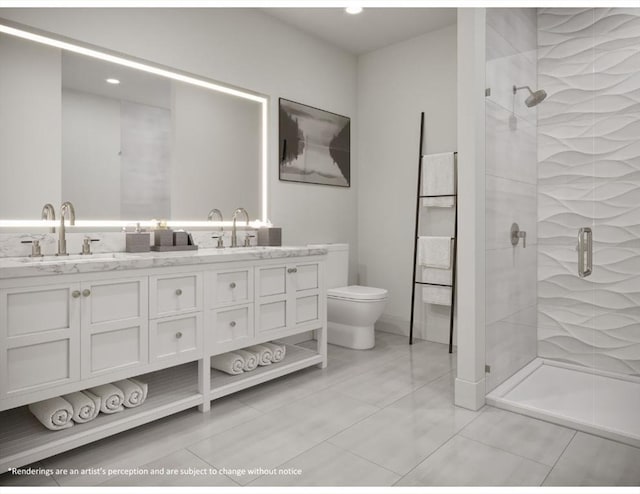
[305, 288]
[176, 339]
[39, 337]
[287, 296]
[174, 294]
[114, 325]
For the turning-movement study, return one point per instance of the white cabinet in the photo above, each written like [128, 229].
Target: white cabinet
[66, 333]
[57, 334]
[229, 317]
[175, 339]
[39, 337]
[115, 323]
[175, 294]
[288, 296]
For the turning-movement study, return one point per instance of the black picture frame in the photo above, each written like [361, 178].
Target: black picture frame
[314, 145]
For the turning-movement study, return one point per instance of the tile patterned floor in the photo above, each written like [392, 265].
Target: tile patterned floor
[380, 417]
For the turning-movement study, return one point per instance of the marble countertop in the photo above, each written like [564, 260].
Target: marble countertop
[19, 267]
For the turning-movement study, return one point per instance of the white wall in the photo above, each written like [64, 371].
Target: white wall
[252, 50]
[91, 154]
[395, 84]
[31, 93]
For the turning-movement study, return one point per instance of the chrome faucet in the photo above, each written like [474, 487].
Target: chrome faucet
[49, 213]
[62, 238]
[210, 216]
[234, 238]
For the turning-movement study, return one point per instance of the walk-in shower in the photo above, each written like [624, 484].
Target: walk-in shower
[563, 310]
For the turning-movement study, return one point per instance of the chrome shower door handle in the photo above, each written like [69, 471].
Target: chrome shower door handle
[585, 246]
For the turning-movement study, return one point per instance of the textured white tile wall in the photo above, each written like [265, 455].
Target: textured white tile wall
[589, 175]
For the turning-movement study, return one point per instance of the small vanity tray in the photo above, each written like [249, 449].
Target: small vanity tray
[171, 248]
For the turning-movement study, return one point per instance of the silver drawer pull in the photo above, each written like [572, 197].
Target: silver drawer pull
[292, 270]
[232, 324]
[75, 293]
[86, 292]
[178, 335]
[232, 285]
[179, 291]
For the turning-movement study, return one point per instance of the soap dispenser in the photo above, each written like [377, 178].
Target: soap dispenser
[138, 241]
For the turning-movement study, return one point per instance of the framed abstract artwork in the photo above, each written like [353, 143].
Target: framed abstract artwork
[315, 145]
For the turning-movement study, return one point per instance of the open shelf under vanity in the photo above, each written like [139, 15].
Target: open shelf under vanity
[25, 440]
[296, 358]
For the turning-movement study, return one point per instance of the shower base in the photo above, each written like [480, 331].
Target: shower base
[601, 403]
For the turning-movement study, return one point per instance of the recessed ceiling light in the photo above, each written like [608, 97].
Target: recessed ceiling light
[353, 9]
[113, 81]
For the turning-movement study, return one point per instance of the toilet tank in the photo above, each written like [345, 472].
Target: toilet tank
[337, 272]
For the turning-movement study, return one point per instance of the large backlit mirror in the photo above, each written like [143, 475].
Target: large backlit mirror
[123, 143]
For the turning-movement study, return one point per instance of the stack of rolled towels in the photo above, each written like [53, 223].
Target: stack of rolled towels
[249, 358]
[83, 406]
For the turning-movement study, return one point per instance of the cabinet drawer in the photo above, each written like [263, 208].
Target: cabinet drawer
[172, 295]
[231, 287]
[176, 338]
[230, 328]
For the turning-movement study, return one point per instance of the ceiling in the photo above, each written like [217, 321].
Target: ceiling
[367, 31]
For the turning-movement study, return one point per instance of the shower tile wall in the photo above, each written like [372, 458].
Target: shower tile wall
[510, 193]
[589, 175]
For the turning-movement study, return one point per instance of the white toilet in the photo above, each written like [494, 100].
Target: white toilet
[351, 310]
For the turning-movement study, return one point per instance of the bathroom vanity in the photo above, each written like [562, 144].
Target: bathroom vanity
[68, 324]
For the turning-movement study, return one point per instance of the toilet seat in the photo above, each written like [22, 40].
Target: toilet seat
[357, 293]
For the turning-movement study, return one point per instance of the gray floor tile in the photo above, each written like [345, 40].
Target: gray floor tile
[399, 439]
[151, 441]
[595, 461]
[463, 461]
[322, 415]
[394, 379]
[260, 443]
[328, 465]
[28, 479]
[524, 436]
[177, 469]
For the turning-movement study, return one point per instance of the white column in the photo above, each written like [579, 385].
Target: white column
[470, 380]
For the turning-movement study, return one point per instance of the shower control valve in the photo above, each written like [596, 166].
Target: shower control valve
[517, 234]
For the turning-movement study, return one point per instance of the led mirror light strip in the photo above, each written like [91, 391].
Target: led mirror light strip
[128, 224]
[38, 38]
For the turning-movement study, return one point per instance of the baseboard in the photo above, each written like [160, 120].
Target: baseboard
[470, 395]
[392, 324]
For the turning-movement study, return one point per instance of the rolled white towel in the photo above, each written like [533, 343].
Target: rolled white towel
[86, 406]
[55, 413]
[250, 360]
[278, 350]
[135, 392]
[230, 362]
[264, 354]
[111, 398]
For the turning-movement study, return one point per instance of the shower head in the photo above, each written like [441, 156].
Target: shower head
[534, 98]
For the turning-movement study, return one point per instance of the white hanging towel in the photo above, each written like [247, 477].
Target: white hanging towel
[435, 275]
[439, 295]
[438, 179]
[435, 252]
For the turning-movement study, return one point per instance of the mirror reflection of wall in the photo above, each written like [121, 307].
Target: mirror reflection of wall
[140, 148]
